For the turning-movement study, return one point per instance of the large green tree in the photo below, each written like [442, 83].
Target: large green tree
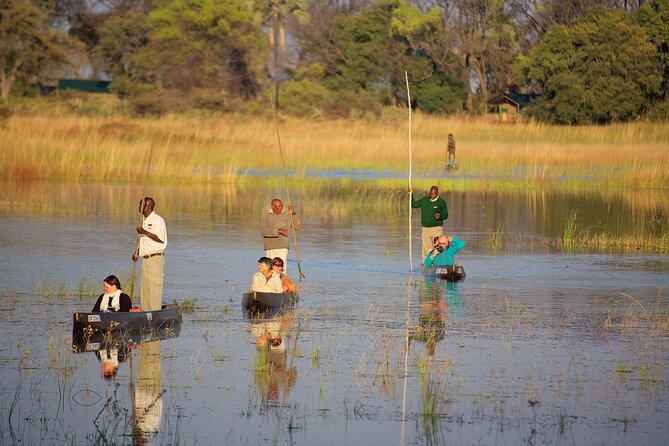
[186, 45]
[427, 59]
[600, 69]
[29, 47]
[123, 52]
[204, 43]
[654, 17]
[369, 51]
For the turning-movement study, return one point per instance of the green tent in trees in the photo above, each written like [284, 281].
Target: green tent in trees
[89, 86]
[507, 107]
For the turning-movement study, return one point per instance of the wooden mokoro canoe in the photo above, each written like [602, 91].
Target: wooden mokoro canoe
[89, 324]
[450, 273]
[275, 301]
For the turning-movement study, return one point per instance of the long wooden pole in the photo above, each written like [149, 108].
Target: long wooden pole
[132, 399]
[406, 77]
[141, 219]
[285, 184]
[406, 361]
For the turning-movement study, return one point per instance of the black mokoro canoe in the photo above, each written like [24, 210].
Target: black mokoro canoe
[88, 324]
[256, 299]
[450, 273]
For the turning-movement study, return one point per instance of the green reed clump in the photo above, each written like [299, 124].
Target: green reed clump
[59, 356]
[497, 239]
[187, 305]
[648, 235]
[569, 233]
[433, 395]
[316, 358]
[87, 288]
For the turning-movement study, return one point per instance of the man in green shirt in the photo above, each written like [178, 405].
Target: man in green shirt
[433, 212]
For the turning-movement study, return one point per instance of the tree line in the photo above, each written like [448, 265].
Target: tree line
[583, 61]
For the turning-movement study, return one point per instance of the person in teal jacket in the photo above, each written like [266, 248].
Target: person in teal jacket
[443, 254]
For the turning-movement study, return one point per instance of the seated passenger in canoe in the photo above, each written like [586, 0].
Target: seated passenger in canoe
[113, 299]
[286, 283]
[443, 254]
[265, 280]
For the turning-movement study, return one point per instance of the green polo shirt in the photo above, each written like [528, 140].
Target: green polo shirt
[428, 209]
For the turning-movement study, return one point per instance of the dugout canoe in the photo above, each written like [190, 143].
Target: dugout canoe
[88, 325]
[274, 301]
[454, 273]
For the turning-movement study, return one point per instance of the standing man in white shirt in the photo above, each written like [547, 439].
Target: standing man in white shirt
[152, 243]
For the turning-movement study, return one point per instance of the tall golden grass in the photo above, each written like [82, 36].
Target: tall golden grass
[46, 146]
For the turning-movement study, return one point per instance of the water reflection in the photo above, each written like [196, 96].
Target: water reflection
[111, 356]
[540, 213]
[147, 395]
[273, 373]
[145, 388]
[439, 301]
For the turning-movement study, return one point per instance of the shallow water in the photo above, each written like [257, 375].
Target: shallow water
[534, 346]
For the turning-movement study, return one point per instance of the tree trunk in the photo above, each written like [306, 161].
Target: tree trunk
[6, 83]
[480, 76]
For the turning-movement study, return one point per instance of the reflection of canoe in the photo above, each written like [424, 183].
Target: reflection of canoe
[87, 325]
[451, 273]
[275, 301]
[99, 340]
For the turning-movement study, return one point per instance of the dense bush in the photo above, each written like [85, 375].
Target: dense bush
[599, 70]
[440, 94]
[306, 98]
[660, 113]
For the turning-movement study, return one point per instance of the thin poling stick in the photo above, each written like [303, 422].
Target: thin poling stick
[406, 76]
[285, 183]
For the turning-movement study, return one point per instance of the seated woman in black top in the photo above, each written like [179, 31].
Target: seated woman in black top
[113, 299]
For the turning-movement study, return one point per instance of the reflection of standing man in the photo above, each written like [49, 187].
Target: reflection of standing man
[431, 326]
[433, 212]
[274, 226]
[152, 243]
[148, 395]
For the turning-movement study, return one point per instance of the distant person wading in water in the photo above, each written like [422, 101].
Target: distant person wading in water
[451, 151]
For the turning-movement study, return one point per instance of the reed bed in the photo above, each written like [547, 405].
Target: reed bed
[648, 235]
[70, 147]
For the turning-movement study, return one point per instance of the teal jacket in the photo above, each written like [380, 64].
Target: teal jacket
[446, 258]
[428, 209]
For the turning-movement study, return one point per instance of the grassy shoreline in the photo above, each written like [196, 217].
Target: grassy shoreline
[41, 146]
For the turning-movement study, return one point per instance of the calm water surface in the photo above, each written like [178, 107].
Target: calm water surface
[535, 346]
